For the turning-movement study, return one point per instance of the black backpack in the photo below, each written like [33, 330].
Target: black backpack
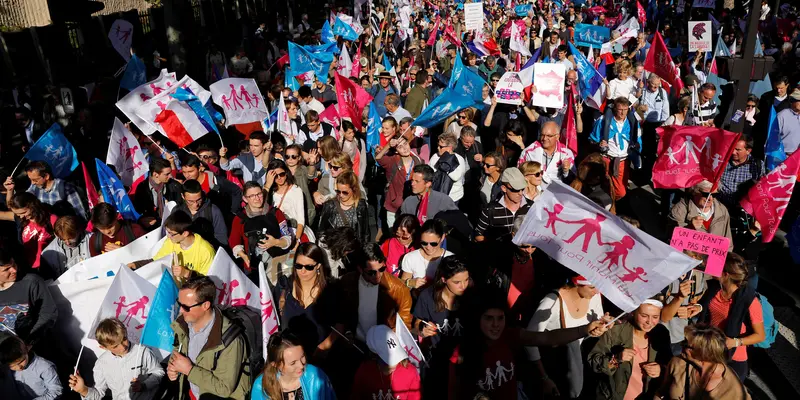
[247, 323]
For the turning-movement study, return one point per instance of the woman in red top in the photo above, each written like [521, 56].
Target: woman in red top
[405, 229]
[727, 307]
[485, 361]
[34, 224]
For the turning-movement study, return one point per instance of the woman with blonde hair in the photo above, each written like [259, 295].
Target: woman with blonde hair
[287, 375]
[463, 118]
[337, 163]
[532, 171]
[623, 85]
[701, 371]
[349, 208]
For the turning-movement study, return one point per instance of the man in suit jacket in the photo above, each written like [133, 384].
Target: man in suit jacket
[419, 96]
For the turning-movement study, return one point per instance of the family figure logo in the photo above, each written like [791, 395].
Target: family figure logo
[132, 311]
[498, 378]
[226, 297]
[233, 101]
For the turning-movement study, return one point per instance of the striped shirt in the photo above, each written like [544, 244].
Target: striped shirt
[496, 219]
[707, 112]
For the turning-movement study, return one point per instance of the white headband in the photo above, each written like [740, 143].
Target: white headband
[654, 303]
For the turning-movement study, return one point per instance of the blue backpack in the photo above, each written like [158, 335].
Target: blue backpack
[770, 325]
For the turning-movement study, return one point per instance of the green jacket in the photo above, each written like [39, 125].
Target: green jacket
[230, 378]
[416, 100]
[615, 382]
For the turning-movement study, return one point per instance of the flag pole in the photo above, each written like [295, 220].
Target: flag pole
[348, 340]
[15, 168]
[75, 370]
[614, 320]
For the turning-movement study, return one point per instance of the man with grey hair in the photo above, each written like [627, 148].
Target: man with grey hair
[654, 105]
[699, 210]
[393, 108]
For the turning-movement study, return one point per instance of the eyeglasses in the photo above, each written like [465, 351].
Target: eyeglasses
[280, 174]
[373, 272]
[343, 192]
[486, 165]
[495, 80]
[186, 308]
[254, 196]
[308, 267]
[443, 146]
[462, 117]
[512, 190]
[336, 167]
[292, 156]
[430, 244]
[751, 106]
[536, 174]
[206, 157]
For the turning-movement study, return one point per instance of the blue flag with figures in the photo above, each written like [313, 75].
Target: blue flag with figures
[114, 193]
[289, 80]
[301, 60]
[456, 71]
[774, 153]
[135, 74]
[443, 106]
[322, 48]
[340, 28]
[327, 33]
[591, 35]
[54, 149]
[157, 330]
[469, 84]
[589, 80]
[373, 128]
[522, 10]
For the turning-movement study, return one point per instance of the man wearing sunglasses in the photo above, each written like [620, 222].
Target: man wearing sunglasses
[372, 296]
[201, 357]
[497, 218]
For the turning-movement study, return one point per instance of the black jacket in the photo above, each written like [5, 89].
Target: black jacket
[441, 180]
[143, 198]
[330, 211]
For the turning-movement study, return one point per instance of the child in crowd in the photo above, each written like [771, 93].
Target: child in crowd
[129, 370]
[30, 377]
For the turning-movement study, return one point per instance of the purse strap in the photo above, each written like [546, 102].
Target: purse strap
[561, 310]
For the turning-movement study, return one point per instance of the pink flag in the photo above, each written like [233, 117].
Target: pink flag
[126, 155]
[659, 62]
[641, 14]
[767, 200]
[451, 36]
[352, 99]
[687, 155]
[330, 116]
[570, 132]
[91, 192]
[432, 38]
[355, 72]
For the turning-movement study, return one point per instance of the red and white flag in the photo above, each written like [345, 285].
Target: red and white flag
[174, 118]
[126, 155]
[518, 34]
[356, 69]
[569, 131]
[659, 62]
[352, 99]
[408, 342]
[641, 14]
[331, 117]
[626, 265]
[687, 155]
[268, 308]
[128, 300]
[240, 99]
[234, 288]
[345, 65]
[768, 199]
[434, 31]
[133, 100]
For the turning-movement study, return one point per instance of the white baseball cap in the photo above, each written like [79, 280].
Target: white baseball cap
[382, 341]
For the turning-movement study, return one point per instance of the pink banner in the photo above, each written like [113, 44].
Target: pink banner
[767, 200]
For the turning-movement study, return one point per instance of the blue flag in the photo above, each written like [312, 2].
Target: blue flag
[54, 148]
[289, 80]
[157, 331]
[469, 84]
[345, 31]
[373, 128]
[323, 48]
[591, 35]
[774, 153]
[134, 75]
[327, 33]
[270, 121]
[114, 193]
[456, 71]
[443, 106]
[522, 10]
[758, 88]
[589, 80]
[301, 60]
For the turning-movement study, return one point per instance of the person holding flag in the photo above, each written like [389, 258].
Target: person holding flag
[701, 211]
[391, 375]
[49, 189]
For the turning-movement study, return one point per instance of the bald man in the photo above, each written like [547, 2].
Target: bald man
[557, 160]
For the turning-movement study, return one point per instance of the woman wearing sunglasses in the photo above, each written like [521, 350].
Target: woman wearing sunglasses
[305, 302]
[303, 173]
[463, 118]
[401, 243]
[326, 190]
[286, 196]
[532, 171]
[348, 208]
[419, 266]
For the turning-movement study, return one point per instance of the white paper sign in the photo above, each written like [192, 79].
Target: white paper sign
[549, 81]
[700, 36]
[509, 89]
[121, 36]
[473, 16]
[67, 100]
[240, 99]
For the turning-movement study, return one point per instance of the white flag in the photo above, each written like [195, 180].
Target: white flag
[269, 310]
[121, 36]
[626, 265]
[241, 100]
[128, 300]
[125, 154]
[407, 342]
[518, 34]
[284, 124]
[137, 97]
[107, 264]
[151, 108]
[234, 288]
[345, 65]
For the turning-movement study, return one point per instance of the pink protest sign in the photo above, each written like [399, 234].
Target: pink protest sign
[715, 247]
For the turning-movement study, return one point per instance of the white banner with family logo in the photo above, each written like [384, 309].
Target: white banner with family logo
[626, 265]
[240, 99]
[107, 264]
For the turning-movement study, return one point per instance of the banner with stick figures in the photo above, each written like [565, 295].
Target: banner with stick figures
[626, 265]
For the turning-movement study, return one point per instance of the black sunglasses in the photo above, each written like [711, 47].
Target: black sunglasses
[292, 156]
[512, 190]
[335, 167]
[188, 308]
[280, 174]
[536, 174]
[525, 246]
[343, 192]
[487, 165]
[432, 244]
[372, 272]
[309, 267]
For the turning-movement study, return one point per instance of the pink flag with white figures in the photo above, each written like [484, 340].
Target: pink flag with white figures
[133, 100]
[331, 116]
[234, 288]
[356, 69]
[518, 34]
[240, 99]
[269, 310]
[767, 200]
[687, 155]
[126, 155]
[128, 300]
[626, 265]
[121, 36]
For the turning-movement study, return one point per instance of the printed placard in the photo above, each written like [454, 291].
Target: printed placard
[700, 36]
[509, 89]
[715, 247]
[473, 16]
[549, 81]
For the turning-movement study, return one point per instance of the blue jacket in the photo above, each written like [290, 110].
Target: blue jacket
[314, 382]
